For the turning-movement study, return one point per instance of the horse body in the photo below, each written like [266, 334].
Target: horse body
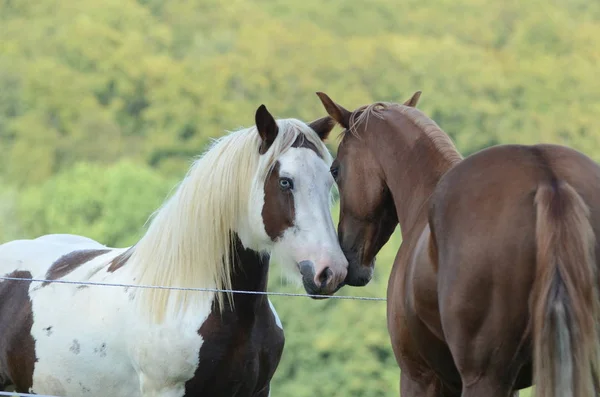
[71, 351]
[75, 355]
[495, 285]
[515, 252]
[246, 197]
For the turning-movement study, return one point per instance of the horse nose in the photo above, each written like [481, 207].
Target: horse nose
[329, 275]
[323, 278]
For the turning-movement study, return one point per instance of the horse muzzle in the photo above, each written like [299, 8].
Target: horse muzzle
[322, 282]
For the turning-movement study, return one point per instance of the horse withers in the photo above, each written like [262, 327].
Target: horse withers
[495, 285]
[260, 190]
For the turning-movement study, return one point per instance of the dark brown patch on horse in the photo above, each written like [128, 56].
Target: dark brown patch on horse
[17, 346]
[120, 260]
[242, 346]
[302, 142]
[278, 211]
[71, 261]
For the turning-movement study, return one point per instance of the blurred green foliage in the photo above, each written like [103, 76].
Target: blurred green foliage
[109, 204]
[103, 104]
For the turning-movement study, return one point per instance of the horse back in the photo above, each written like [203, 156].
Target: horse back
[484, 206]
[38, 255]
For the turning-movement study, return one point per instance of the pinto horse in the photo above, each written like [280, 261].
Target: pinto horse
[260, 190]
[495, 285]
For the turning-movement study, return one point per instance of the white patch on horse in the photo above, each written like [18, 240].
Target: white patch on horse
[116, 363]
[277, 320]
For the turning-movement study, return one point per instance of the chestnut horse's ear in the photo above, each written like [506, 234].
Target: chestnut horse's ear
[267, 128]
[339, 114]
[412, 102]
[323, 126]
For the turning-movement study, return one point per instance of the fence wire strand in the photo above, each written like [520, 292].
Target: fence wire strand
[13, 394]
[233, 291]
[90, 283]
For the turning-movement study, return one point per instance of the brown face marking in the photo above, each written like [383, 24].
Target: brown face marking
[278, 212]
[71, 261]
[17, 346]
[120, 260]
[302, 142]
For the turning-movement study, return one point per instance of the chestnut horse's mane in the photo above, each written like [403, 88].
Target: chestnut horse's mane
[441, 141]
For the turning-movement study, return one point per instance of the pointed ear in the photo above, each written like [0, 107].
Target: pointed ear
[339, 114]
[323, 126]
[267, 128]
[412, 102]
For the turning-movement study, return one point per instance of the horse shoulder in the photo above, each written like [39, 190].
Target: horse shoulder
[240, 351]
[168, 355]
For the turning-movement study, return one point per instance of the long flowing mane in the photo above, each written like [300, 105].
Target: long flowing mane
[441, 141]
[188, 241]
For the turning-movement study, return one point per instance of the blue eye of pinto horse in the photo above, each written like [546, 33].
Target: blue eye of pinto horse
[286, 184]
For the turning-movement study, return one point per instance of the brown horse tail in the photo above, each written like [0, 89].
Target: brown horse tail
[566, 311]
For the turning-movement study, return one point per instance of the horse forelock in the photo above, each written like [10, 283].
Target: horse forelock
[189, 239]
[362, 114]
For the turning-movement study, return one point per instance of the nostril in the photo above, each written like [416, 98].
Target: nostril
[323, 278]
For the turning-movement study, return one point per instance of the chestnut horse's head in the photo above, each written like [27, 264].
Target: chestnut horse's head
[367, 212]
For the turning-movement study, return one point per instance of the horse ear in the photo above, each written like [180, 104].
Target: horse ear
[267, 128]
[339, 114]
[412, 102]
[323, 126]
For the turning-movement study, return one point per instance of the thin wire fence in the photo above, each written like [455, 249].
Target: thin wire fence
[90, 283]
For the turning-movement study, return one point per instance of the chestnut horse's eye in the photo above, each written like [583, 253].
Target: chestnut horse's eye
[286, 184]
[334, 172]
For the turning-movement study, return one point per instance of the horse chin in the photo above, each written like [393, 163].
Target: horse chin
[316, 295]
[359, 275]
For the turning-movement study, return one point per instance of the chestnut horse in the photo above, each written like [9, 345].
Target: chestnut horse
[260, 190]
[495, 285]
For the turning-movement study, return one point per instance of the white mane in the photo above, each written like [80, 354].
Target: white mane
[188, 242]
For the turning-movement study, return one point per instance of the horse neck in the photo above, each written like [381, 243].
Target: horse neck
[250, 273]
[412, 165]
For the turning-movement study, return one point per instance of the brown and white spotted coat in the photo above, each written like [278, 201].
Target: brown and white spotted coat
[74, 340]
